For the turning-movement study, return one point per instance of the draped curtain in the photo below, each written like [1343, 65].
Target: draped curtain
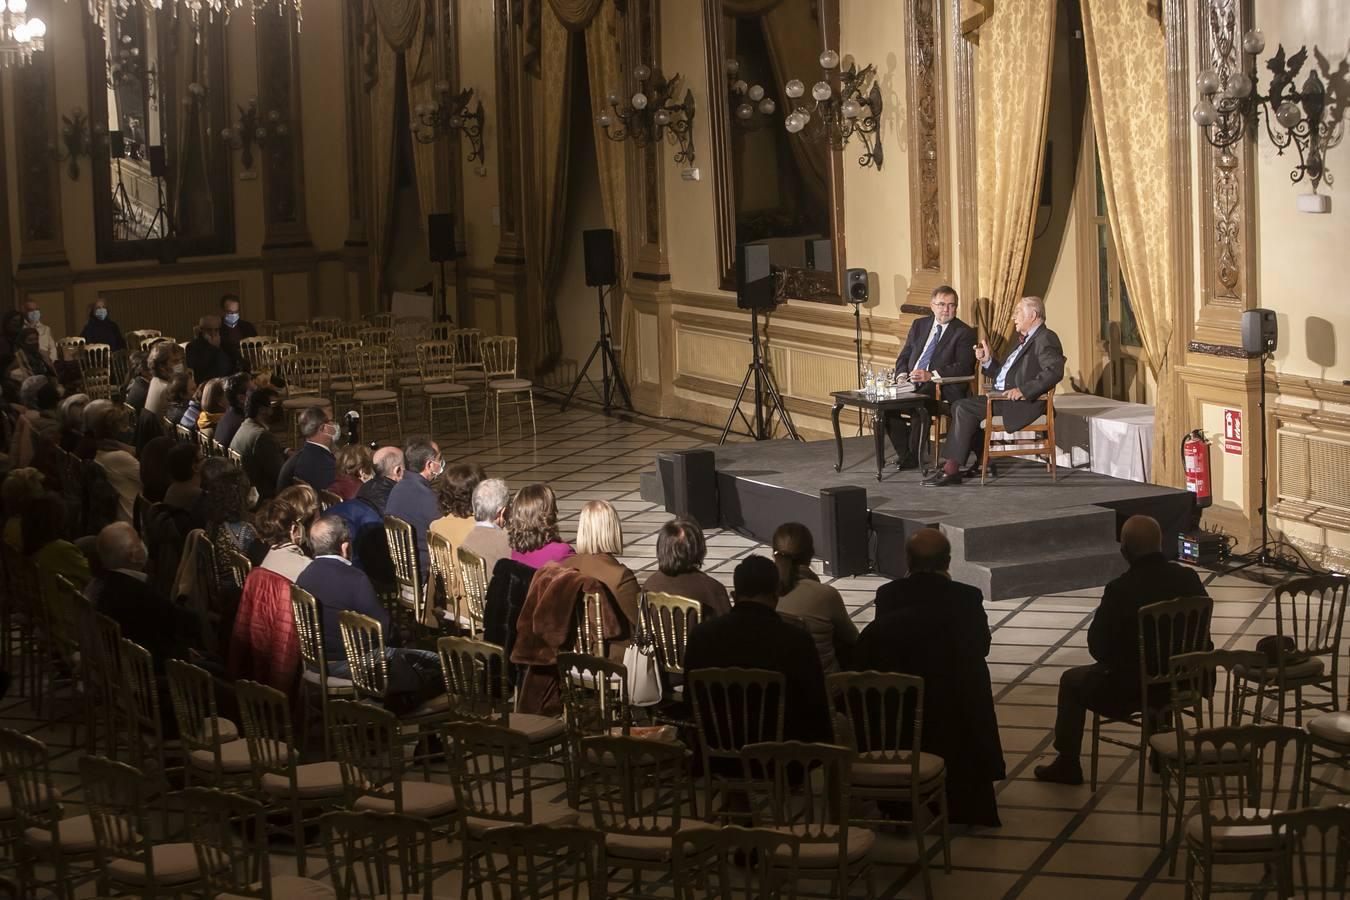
[383, 151]
[419, 66]
[793, 36]
[1127, 72]
[191, 200]
[604, 68]
[1012, 94]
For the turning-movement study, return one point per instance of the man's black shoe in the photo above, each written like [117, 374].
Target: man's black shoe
[935, 477]
[908, 461]
[1062, 771]
[975, 470]
[942, 479]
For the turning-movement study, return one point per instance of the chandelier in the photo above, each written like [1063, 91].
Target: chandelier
[450, 113]
[837, 112]
[1230, 105]
[747, 99]
[20, 36]
[99, 10]
[652, 114]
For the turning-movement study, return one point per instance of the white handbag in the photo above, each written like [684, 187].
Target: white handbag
[644, 674]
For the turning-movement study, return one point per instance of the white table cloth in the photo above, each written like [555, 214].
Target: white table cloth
[1110, 437]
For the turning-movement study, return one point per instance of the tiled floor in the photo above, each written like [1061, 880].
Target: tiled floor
[1055, 841]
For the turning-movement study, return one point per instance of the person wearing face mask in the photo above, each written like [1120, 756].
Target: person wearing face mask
[313, 463]
[101, 329]
[29, 360]
[234, 328]
[1110, 685]
[259, 450]
[205, 357]
[414, 499]
[46, 343]
[165, 361]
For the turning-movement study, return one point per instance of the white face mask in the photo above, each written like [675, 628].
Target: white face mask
[34, 315]
[178, 368]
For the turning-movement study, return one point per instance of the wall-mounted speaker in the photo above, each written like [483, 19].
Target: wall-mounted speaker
[819, 255]
[754, 277]
[1260, 331]
[843, 519]
[117, 146]
[856, 287]
[441, 237]
[159, 166]
[598, 249]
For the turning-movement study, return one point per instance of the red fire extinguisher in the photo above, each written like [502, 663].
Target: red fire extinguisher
[1195, 456]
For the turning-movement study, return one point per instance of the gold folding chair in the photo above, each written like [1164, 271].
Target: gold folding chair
[371, 368]
[732, 708]
[499, 368]
[473, 577]
[95, 362]
[436, 361]
[309, 629]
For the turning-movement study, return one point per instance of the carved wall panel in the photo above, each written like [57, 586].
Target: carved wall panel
[283, 160]
[40, 235]
[929, 229]
[643, 44]
[354, 44]
[967, 228]
[512, 244]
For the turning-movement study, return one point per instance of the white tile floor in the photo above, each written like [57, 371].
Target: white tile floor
[1056, 841]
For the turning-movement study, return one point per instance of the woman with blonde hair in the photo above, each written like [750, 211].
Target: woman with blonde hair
[599, 544]
[802, 595]
[533, 527]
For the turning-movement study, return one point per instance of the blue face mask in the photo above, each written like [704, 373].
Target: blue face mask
[34, 315]
[100, 314]
[232, 319]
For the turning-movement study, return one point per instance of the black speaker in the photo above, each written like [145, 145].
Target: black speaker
[819, 255]
[158, 166]
[691, 485]
[117, 146]
[856, 288]
[843, 519]
[754, 277]
[598, 246]
[1260, 331]
[441, 237]
[168, 250]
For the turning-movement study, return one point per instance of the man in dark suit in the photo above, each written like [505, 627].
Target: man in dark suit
[930, 626]
[1111, 685]
[752, 636]
[413, 499]
[388, 472]
[205, 356]
[259, 450]
[938, 346]
[337, 585]
[235, 327]
[1033, 366]
[164, 629]
[313, 462]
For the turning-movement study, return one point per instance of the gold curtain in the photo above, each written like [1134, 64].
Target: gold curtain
[421, 75]
[604, 68]
[398, 20]
[576, 15]
[545, 194]
[793, 36]
[1012, 93]
[190, 199]
[1127, 75]
[748, 7]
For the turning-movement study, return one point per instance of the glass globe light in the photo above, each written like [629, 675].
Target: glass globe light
[822, 91]
[442, 87]
[1288, 114]
[829, 59]
[804, 116]
[733, 66]
[226, 134]
[851, 109]
[756, 92]
[604, 120]
[1254, 41]
[639, 100]
[1237, 86]
[744, 111]
[612, 98]
[1207, 82]
[662, 117]
[18, 6]
[738, 87]
[1204, 113]
[794, 88]
[767, 106]
[21, 32]
[793, 124]
[37, 28]
[642, 72]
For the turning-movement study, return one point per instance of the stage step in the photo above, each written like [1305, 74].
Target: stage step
[1019, 576]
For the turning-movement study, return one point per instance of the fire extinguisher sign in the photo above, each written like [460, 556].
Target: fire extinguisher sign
[1232, 431]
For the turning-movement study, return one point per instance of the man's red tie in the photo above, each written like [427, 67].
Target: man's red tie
[1021, 338]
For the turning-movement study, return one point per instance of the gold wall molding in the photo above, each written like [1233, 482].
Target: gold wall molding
[1311, 389]
[967, 223]
[41, 236]
[929, 203]
[285, 221]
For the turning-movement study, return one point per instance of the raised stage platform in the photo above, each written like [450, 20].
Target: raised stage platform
[1016, 536]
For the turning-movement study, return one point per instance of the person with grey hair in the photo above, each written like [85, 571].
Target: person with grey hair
[165, 361]
[488, 537]
[313, 463]
[1032, 368]
[127, 598]
[71, 415]
[388, 472]
[205, 356]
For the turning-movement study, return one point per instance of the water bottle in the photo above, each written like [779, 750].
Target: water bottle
[870, 383]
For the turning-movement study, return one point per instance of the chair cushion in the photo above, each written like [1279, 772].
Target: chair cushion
[540, 813]
[292, 887]
[313, 781]
[510, 384]
[234, 757]
[536, 728]
[1333, 728]
[895, 774]
[442, 389]
[305, 402]
[173, 864]
[375, 394]
[434, 706]
[75, 834]
[1307, 669]
[427, 799]
[335, 684]
[822, 854]
[1166, 745]
[341, 385]
[1233, 838]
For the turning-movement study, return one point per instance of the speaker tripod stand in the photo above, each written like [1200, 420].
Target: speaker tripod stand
[608, 362]
[760, 429]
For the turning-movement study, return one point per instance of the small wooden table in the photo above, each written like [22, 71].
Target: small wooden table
[916, 404]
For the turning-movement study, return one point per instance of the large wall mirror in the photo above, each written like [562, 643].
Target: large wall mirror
[771, 186]
[162, 176]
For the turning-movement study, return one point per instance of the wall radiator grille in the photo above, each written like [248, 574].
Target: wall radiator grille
[172, 308]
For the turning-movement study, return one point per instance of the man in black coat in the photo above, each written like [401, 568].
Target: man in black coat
[939, 346]
[752, 636]
[313, 462]
[1033, 366]
[930, 626]
[100, 329]
[127, 598]
[205, 357]
[388, 472]
[1111, 685]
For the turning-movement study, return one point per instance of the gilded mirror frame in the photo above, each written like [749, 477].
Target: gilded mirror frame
[798, 284]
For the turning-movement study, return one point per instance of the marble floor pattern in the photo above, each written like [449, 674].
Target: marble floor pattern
[1055, 841]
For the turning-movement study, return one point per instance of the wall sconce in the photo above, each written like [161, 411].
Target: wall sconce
[652, 114]
[838, 111]
[437, 119]
[747, 99]
[1230, 105]
[248, 130]
[77, 136]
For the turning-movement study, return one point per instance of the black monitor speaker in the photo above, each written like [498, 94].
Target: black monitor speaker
[843, 519]
[856, 288]
[1260, 331]
[441, 237]
[819, 255]
[754, 277]
[117, 146]
[598, 248]
[159, 167]
[690, 485]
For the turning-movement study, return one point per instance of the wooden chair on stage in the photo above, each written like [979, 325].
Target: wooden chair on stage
[1041, 442]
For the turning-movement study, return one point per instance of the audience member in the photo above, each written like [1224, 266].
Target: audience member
[259, 451]
[138, 384]
[71, 411]
[237, 387]
[753, 636]
[388, 472]
[355, 466]
[818, 605]
[1110, 685]
[125, 597]
[680, 549]
[154, 467]
[225, 490]
[32, 314]
[183, 400]
[43, 528]
[936, 628]
[20, 486]
[165, 361]
[30, 360]
[205, 357]
[488, 537]
[414, 676]
[313, 462]
[599, 544]
[100, 329]
[184, 493]
[454, 493]
[212, 407]
[533, 527]
[282, 523]
[413, 499]
[40, 397]
[233, 326]
[118, 461]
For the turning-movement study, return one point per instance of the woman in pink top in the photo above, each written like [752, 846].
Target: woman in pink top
[533, 527]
